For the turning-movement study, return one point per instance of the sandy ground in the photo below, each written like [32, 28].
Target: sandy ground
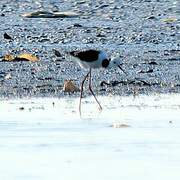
[144, 34]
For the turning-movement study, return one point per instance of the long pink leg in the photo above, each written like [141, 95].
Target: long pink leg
[82, 84]
[100, 107]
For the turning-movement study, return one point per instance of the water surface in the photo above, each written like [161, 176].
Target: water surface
[47, 139]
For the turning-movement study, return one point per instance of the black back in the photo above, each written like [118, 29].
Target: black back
[88, 55]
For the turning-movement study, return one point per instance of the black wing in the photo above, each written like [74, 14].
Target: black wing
[88, 55]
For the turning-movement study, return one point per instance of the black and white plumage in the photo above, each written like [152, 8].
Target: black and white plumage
[92, 59]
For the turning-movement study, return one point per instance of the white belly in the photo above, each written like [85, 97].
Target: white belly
[88, 65]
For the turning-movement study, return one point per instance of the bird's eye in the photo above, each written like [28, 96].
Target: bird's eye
[114, 62]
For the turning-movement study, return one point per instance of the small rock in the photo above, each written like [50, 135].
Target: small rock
[21, 108]
[57, 53]
[104, 83]
[77, 25]
[151, 17]
[6, 36]
[48, 14]
[100, 35]
[119, 125]
[8, 57]
[153, 63]
[8, 76]
[70, 87]
[148, 71]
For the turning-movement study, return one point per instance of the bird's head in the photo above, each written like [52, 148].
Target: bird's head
[116, 62]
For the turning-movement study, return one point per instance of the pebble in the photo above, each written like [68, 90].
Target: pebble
[48, 14]
[7, 36]
[119, 125]
[70, 87]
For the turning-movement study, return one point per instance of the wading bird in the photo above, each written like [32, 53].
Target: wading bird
[92, 59]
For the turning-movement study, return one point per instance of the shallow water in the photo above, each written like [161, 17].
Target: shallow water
[136, 31]
[47, 139]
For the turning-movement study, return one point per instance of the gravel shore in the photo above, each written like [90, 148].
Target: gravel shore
[144, 33]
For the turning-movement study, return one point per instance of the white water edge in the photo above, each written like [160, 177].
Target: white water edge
[48, 139]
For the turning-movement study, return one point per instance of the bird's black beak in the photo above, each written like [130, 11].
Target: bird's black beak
[122, 69]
